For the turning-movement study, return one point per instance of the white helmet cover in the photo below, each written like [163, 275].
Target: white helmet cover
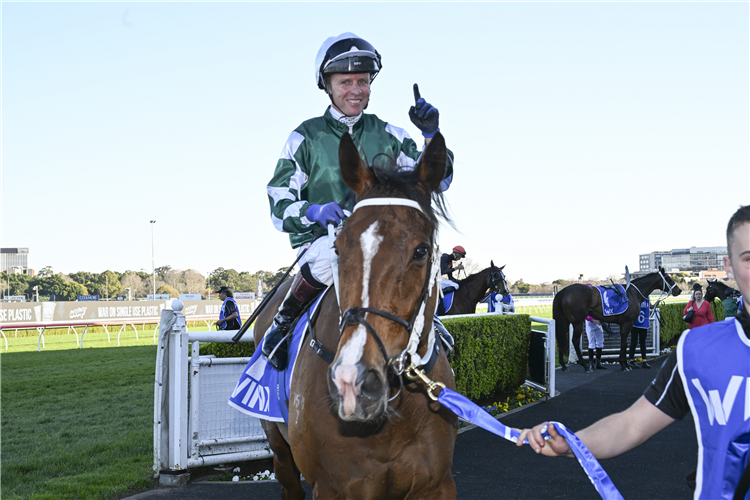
[352, 48]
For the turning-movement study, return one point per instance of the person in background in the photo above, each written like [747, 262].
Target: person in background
[447, 268]
[306, 187]
[638, 334]
[229, 315]
[705, 376]
[731, 303]
[703, 314]
[595, 336]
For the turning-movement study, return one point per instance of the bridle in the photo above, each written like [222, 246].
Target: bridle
[398, 364]
[666, 289]
[495, 281]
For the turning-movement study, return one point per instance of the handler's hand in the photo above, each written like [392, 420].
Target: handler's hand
[556, 446]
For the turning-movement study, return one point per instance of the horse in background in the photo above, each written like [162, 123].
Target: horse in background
[574, 302]
[357, 428]
[475, 287]
[718, 289]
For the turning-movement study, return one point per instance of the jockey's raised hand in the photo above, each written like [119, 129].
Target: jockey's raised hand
[322, 214]
[424, 115]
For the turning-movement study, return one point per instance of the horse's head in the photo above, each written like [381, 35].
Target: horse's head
[496, 281]
[388, 277]
[712, 291]
[668, 284]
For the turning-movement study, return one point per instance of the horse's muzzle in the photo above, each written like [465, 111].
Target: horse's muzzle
[360, 394]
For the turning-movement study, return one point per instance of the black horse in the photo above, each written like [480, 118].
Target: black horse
[575, 302]
[475, 287]
[718, 289]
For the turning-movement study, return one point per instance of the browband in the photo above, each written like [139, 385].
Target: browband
[370, 202]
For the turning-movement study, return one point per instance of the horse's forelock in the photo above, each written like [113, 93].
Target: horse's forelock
[391, 180]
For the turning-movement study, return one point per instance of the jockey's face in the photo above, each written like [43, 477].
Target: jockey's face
[350, 93]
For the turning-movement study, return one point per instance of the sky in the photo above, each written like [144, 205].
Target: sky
[584, 134]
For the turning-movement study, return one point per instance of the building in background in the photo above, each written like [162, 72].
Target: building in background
[15, 261]
[693, 260]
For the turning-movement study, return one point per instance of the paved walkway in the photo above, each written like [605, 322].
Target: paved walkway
[488, 467]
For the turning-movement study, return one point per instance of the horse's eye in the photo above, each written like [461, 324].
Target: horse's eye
[421, 252]
[335, 249]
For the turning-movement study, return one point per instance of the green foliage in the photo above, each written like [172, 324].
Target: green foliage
[491, 353]
[168, 290]
[19, 284]
[162, 271]
[57, 286]
[228, 350]
[521, 286]
[673, 325]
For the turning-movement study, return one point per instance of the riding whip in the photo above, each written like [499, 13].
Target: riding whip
[267, 297]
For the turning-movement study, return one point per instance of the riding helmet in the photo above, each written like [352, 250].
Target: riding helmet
[460, 250]
[346, 53]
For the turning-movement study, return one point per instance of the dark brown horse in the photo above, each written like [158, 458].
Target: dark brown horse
[718, 289]
[474, 288]
[354, 431]
[575, 302]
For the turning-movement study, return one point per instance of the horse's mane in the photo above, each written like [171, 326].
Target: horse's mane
[475, 276]
[394, 180]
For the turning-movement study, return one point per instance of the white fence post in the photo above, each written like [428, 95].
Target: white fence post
[178, 386]
[551, 356]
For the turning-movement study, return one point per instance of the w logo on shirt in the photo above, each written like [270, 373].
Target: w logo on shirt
[720, 409]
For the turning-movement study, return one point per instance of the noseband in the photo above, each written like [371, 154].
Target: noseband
[356, 315]
[495, 281]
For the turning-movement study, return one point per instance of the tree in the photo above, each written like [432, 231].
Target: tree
[162, 271]
[168, 290]
[521, 286]
[224, 277]
[19, 283]
[46, 271]
[57, 286]
[173, 278]
[195, 282]
[139, 287]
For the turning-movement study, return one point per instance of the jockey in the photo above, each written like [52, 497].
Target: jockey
[447, 268]
[307, 185]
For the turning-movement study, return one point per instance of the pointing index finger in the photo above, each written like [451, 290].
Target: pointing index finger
[416, 93]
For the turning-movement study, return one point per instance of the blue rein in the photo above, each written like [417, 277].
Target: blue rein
[470, 412]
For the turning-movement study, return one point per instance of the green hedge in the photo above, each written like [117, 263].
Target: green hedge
[674, 326]
[491, 353]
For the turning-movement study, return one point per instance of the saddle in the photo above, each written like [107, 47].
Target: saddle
[618, 289]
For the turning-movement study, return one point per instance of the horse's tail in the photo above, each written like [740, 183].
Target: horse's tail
[562, 325]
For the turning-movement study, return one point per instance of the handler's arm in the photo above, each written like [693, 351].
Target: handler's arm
[607, 438]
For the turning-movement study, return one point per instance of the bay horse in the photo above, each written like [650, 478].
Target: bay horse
[475, 287]
[357, 429]
[574, 302]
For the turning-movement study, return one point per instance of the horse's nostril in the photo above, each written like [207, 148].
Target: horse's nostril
[372, 386]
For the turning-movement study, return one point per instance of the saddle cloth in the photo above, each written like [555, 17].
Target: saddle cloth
[445, 305]
[613, 303]
[264, 392]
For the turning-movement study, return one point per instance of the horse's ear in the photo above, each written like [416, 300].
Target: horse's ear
[431, 167]
[492, 263]
[355, 173]
[502, 267]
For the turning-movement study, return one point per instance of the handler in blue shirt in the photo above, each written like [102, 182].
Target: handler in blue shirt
[707, 375]
[638, 334]
[229, 315]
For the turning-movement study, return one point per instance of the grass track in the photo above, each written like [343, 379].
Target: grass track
[77, 423]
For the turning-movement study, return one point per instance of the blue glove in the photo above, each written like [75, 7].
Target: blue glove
[424, 115]
[322, 214]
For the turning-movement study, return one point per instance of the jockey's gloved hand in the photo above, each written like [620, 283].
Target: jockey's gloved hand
[424, 115]
[323, 214]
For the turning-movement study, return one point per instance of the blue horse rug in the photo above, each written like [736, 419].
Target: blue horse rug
[612, 302]
[262, 391]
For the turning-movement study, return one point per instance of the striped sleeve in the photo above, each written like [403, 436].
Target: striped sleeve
[285, 188]
[410, 154]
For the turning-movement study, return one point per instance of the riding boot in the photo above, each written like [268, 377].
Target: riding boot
[591, 356]
[275, 345]
[445, 336]
[645, 365]
[599, 365]
[632, 364]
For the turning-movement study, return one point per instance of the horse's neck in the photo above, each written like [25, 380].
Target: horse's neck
[476, 285]
[721, 290]
[647, 284]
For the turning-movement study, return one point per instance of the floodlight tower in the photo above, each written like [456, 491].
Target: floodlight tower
[153, 268]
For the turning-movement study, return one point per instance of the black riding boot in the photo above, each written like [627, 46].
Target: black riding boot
[599, 365]
[446, 337]
[275, 345]
[591, 357]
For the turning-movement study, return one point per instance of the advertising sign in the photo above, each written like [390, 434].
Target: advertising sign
[190, 296]
[158, 296]
[88, 297]
[245, 295]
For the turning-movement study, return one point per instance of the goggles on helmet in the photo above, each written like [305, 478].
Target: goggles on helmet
[347, 55]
